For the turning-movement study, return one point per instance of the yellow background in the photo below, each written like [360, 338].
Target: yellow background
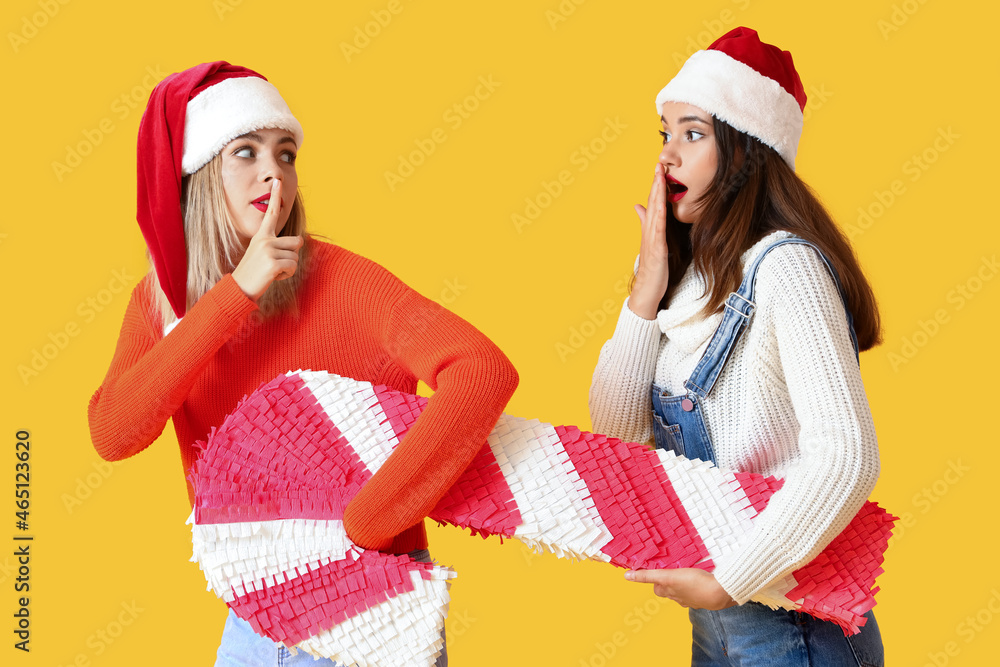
[878, 97]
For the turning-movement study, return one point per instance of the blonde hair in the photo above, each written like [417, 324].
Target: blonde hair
[214, 249]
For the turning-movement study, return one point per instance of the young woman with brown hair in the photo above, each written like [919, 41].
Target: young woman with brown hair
[738, 345]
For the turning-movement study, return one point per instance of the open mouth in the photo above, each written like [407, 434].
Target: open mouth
[675, 189]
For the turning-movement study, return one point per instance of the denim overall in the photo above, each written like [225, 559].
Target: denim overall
[752, 633]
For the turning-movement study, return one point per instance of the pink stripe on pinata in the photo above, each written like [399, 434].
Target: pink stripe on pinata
[839, 584]
[481, 498]
[757, 488]
[316, 600]
[276, 456]
[636, 501]
[400, 408]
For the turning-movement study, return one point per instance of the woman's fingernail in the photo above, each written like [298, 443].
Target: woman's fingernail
[629, 575]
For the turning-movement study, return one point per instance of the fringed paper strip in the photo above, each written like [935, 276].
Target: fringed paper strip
[272, 483]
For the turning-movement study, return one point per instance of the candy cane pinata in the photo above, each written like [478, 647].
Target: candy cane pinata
[272, 483]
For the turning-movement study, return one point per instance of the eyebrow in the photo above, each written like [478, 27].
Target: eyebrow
[687, 119]
[253, 136]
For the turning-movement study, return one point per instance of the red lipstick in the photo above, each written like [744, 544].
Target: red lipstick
[675, 189]
[260, 203]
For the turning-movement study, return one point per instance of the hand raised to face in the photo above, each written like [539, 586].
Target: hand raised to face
[268, 257]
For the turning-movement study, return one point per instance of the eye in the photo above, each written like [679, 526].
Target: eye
[666, 137]
[690, 134]
[243, 151]
[288, 157]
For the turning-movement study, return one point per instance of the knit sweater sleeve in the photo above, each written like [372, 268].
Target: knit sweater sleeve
[837, 463]
[472, 382]
[151, 375]
[619, 391]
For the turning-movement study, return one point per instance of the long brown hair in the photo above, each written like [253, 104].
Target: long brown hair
[755, 192]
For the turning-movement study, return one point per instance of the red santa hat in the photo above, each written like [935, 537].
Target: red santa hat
[190, 117]
[747, 84]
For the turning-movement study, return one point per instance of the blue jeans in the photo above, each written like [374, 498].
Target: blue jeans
[242, 647]
[754, 634]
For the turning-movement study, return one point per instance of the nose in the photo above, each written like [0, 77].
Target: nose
[669, 155]
[269, 168]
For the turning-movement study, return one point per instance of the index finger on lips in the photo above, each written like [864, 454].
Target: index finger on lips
[269, 224]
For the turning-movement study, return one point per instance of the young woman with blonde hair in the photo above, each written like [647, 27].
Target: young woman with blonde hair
[240, 293]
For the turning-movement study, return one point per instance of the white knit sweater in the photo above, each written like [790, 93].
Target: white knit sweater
[789, 403]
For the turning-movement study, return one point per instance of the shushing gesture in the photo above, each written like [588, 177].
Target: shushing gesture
[268, 257]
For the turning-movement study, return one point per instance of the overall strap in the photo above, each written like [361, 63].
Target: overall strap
[738, 311]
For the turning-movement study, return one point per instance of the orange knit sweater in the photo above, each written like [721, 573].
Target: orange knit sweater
[354, 319]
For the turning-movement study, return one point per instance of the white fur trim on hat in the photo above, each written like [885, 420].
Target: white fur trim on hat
[231, 108]
[739, 95]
